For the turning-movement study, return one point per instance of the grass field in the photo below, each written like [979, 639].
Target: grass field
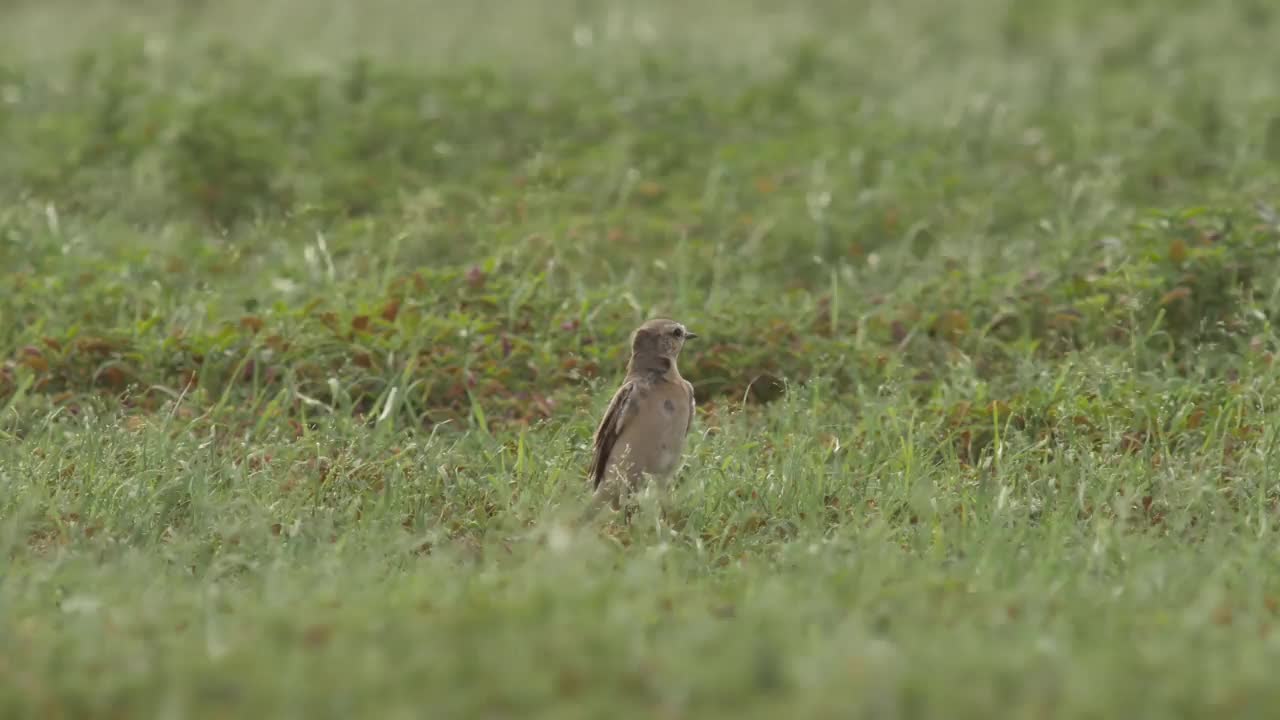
[310, 307]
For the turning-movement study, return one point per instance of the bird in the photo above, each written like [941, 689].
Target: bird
[642, 434]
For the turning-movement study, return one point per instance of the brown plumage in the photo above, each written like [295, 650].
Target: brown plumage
[642, 433]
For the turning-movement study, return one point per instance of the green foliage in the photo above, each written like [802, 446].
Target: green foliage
[302, 344]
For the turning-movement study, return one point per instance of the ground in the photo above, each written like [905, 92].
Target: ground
[309, 313]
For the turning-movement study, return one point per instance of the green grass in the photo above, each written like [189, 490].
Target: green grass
[308, 315]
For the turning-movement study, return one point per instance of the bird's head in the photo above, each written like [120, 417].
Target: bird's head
[660, 337]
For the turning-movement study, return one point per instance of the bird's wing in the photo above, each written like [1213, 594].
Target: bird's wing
[621, 409]
[693, 405]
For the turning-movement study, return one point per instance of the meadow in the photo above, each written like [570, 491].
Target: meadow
[310, 308]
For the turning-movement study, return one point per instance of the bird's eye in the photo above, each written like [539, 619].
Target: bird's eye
[678, 332]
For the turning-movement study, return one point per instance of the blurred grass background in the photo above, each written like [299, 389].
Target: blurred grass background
[310, 309]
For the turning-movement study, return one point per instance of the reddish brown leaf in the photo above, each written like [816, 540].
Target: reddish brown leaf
[360, 323]
[94, 345]
[391, 310]
[34, 359]
[113, 377]
[252, 323]
[1179, 293]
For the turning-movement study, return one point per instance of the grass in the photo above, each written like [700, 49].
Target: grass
[309, 314]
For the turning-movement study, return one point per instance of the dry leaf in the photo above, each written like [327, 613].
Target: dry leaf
[1179, 293]
[112, 376]
[252, 323]
[391, 310]
[34, 359]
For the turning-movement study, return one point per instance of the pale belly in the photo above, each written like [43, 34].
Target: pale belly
[654, 444]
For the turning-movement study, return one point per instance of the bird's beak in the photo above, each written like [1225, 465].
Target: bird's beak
[689, 335]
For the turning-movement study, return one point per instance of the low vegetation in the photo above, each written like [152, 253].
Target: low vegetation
[304, 341]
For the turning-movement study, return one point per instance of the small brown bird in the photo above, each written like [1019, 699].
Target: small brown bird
[642, 434]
